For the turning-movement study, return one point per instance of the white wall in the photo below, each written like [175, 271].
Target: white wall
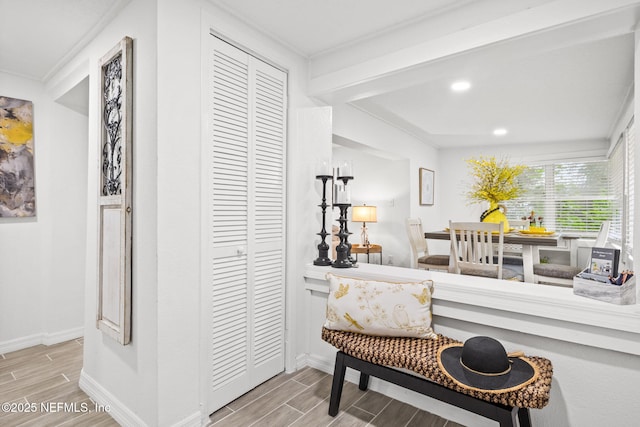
[380, 182]
[309, 143]
[636, 160]
[124, 376]
[354, 125]
[65, 241]
[42, 258]
[160, 378]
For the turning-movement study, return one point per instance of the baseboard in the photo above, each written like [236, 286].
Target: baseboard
[121, 413]
[301, 361]
[20, 343]
[321, 363]
[37, 339]
[118, 411]
[62, 336]
[194, 420]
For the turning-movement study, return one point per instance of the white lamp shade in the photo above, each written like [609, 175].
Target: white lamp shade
[364, 214]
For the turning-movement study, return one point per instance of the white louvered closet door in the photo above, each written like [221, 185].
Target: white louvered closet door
[245, 225]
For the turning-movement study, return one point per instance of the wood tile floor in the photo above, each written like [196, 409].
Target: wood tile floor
[302, 399]
[40, 385]
[44, 377]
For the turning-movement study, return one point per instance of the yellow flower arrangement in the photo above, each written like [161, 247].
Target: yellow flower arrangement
[494, 180]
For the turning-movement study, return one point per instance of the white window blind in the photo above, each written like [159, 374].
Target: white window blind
[568, 196]
[617, 166]
[579, 196]
[631, 144]
[622, 171]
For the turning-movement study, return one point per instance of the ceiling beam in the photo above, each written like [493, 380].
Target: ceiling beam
[550, 26]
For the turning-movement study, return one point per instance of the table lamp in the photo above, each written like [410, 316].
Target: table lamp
[364, 214]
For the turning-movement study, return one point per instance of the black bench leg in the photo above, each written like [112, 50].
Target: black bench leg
[524, 417]
[508, 418]
[336, 386]
[364, 381]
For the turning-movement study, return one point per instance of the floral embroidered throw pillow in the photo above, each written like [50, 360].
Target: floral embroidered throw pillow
[380, 308]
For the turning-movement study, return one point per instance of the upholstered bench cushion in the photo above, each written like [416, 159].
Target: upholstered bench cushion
[420, 355]
[434, 259]
[506, 273]
[509, 260]
[556, 270]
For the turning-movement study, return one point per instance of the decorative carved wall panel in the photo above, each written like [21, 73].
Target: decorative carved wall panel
[114, 199]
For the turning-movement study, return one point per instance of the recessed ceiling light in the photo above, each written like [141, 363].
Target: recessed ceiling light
[460, 86]
[500, 132]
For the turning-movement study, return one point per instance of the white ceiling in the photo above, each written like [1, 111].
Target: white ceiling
[38, 36]
[311, 27]
[565, 94]
[559, 91]
[554, 94]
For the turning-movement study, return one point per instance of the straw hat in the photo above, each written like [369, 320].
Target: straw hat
[483, 364]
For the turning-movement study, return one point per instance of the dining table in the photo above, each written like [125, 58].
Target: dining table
[530, 242]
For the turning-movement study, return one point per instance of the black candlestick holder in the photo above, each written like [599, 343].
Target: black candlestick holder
[323, 247]
[345, 179]
[343, 248]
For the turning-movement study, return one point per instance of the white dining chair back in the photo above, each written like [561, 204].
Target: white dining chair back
[416, 237]
[421, 257]
[474, 251]
[603, 234]
[511, 250]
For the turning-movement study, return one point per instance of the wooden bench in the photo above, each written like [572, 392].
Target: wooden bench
[378, 356]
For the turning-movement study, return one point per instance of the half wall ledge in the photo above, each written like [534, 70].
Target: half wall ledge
[541, 310]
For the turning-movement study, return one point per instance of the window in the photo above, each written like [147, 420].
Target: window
[567, 196]
[578, 196]
[622, 172]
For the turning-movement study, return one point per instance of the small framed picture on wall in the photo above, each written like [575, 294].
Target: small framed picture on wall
[426, 186]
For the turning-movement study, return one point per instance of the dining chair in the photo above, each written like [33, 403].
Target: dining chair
[421, 257]
[512, 254]
[562, 275]
[474, 252]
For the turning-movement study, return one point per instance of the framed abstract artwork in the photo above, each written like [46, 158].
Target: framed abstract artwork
[17, 174]
[114, 193]
[426, 186]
